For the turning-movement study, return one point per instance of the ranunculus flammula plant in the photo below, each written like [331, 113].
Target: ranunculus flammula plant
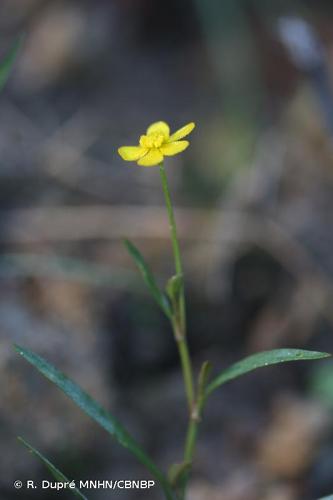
[153, 147]
[156, 144]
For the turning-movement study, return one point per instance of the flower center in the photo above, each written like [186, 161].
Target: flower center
[150, 141]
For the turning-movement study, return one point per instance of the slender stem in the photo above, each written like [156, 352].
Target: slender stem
[191, 438]
[187, 370]
[195, 418]
[190, 443]
[172, 221]
[179, 324]
[175, 243]
[179, 329]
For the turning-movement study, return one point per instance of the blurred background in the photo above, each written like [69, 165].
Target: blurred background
[254, 198]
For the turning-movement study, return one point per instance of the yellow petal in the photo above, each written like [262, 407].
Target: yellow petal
[132, 153]
[153, 157]
[173, 148]
[182, 132]
[159, 128]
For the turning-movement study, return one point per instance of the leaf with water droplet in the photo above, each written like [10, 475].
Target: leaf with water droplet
[262, 359]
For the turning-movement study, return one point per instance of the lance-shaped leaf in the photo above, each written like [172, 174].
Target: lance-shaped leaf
[330, 497]
[174, 287]
[56, 473]
[96, 412]
[7, 62]
[262, 359]
[148, 277]
[203, 376]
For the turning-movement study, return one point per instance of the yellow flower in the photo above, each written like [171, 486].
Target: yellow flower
[156, 144]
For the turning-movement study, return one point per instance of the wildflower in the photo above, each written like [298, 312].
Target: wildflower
[156, 144]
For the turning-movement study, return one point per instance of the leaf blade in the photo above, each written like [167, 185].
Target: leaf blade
[259, 360]
[148, 277]
[56, 473]
[8, 61]
[95, 411]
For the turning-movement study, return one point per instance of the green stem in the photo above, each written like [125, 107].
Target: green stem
[190, 443]
[195, 418]
[179, 324]
[179, 329]
[187, 370]
[175, 243]
[191, 438]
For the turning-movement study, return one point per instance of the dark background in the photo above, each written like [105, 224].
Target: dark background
[254, 198]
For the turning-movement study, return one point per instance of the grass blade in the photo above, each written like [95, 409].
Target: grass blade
[262, 359]
[7, 62]
[56, 473]
[96, 412]
[148, 278]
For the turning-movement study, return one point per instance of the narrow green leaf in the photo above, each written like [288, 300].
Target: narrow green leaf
[174, 290]
[96, 412]
[148, 277]
[56, 473]
[7, 62]
[204, 373]
[174, 287]
[330, 497]
[261, 359]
